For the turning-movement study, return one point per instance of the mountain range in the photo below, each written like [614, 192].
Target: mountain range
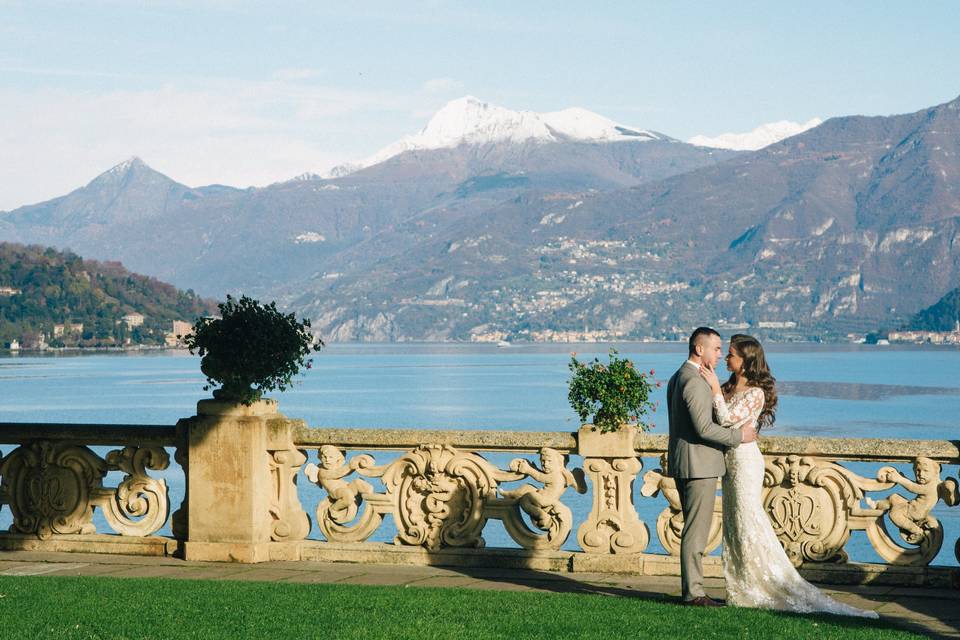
[495, 224]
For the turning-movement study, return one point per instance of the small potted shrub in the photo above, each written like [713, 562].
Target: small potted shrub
[611, 400]
[252, 348]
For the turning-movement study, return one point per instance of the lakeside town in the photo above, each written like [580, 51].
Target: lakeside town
[68, 336]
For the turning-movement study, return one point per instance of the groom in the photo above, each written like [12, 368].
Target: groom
[695, 457]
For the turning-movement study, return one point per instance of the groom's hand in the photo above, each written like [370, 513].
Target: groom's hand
[749, 434]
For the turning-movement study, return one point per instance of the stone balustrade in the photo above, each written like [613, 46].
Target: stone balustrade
[52, 481]
[246, 471]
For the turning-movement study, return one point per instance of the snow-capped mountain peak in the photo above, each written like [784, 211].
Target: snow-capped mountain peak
[118, 173]
[469, 120]
[579, 124]
[126, 165]
[762, 136]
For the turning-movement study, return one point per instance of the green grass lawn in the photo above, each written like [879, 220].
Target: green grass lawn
[51, 607]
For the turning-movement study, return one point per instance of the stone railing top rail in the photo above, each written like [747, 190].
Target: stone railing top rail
[141, 435]
[374, 439]
[645, 444]
[478, 440]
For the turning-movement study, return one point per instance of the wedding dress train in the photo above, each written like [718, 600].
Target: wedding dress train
[757, 570]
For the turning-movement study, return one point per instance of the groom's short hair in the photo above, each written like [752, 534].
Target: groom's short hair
[695, 337]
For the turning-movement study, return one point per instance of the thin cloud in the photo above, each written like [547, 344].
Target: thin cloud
[217, 131]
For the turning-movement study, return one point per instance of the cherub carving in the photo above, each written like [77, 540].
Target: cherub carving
[345, 497]
[670, 521]
[912, 516]
[540, 503]
[657, 481]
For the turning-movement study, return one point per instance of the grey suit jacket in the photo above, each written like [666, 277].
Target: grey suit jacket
[696, 443]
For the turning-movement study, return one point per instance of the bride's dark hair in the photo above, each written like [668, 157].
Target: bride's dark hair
[757, 374]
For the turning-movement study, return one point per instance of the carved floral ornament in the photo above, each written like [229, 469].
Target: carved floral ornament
[52, 487]
[442, 497]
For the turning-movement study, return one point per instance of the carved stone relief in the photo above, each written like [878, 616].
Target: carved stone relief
[289, 520]
[442, 497]
[912, 516]
[52, 487]
[552, 519]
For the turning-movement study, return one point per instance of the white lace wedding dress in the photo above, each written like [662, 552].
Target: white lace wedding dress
[755, 566]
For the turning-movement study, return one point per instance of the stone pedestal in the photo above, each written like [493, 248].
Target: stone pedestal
[242, 468]
[611, 463]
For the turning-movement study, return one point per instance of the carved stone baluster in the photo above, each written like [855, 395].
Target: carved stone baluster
[611, 463]
[438, 496]
[809, 502]
[290, 521]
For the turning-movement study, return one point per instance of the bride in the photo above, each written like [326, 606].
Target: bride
[755, 566]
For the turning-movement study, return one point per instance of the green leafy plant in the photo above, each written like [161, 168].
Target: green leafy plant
[613, 394]
[251, 349]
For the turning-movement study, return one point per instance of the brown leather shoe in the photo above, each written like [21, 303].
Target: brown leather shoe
[703, 601]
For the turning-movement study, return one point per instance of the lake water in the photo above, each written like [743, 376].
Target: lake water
[831, 391]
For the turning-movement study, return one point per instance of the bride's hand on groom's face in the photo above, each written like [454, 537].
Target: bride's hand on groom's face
[708, 374]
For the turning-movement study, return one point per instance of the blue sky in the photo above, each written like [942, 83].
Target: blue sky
[250, 93]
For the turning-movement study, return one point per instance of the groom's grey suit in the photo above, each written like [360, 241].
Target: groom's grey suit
[695, 460]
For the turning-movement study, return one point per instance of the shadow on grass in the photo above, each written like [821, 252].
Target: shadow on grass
[566, 583]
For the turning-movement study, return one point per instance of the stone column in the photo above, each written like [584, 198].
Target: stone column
[237, 482]
[611, 463]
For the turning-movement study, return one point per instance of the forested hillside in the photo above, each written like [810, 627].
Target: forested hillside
[942, 316]
[61, 299]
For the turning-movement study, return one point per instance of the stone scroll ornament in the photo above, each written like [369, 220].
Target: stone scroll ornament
[670, 520]
[440, 497]
[52, 487]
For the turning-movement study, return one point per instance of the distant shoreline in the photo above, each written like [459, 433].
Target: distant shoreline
[360, 348]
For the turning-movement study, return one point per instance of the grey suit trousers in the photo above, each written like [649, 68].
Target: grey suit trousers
[697, 498]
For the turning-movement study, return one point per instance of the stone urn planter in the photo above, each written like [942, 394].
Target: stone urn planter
[595, 443]
[241, 482]
[615, 396]
[241, 463]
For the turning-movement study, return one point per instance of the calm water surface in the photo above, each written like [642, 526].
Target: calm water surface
[832, 391]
